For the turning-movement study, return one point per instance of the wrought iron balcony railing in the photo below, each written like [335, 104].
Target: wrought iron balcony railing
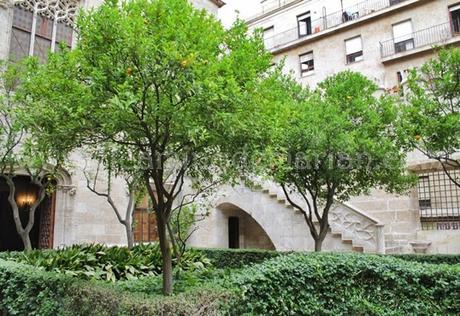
[269, 6]
[328, 21]
[434, 35]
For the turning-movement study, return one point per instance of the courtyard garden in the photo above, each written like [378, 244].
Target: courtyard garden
[96, 280]
[160, 97]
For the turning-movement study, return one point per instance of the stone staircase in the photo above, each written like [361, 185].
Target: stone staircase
[352, 226]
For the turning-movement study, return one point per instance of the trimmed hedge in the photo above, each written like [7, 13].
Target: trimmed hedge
[237, 258]
[434, 259]
[28, 291]
[240, 258]
[346, 284]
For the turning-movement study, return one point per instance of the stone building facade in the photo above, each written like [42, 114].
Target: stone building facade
[380, 38]
[75, 214]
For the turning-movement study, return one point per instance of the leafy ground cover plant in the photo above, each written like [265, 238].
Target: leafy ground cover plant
[109, 263]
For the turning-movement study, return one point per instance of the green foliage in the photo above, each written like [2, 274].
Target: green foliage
[24, 290]
[433, 259]
[337, 141]
[431, 120]
[286, 284]
[347, 284]
[237, 258]
[164, 81]
[108, 263]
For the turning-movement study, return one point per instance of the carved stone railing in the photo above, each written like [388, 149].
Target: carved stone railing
[361, 228]
[346, 220]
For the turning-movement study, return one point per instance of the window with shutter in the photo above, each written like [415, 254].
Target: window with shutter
[307, 64]
[403, 36]
[354, 49]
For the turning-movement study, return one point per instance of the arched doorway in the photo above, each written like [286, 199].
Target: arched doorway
[243, 231]
[41, 234]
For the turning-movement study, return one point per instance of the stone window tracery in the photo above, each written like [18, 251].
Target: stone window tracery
[40, 25]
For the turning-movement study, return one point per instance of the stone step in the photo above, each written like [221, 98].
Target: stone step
[272, 194]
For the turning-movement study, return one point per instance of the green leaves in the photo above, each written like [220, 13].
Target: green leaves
[98, 262]
[431, 117]
[336, 284]
[338, 140]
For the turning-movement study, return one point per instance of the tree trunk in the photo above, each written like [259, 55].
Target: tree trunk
[23, 233]
[166, 256]
[318, 244]
[129, 234]
[26, 241]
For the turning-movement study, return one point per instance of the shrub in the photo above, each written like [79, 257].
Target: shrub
[435, 259]
[28, 291]
[107, 263]
[346, 284]
[237, 258]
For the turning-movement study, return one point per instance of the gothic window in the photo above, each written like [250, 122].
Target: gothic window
[39, 26]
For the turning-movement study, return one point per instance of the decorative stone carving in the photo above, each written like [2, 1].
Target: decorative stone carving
[350, 223]
[59, 10]
[70, 189]
[420, 246]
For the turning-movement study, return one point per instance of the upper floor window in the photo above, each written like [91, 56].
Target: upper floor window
[307, 64]
[304, 24]
[455, 17]
[269, 32]
[354, 49]
[39, 27]
[403, 36]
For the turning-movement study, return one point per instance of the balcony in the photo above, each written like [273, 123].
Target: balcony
[439, 34]
[269, 6]
[330, 21]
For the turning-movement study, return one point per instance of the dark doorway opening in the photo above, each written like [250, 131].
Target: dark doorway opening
[233, 232]
[41, 235]
[455, 18]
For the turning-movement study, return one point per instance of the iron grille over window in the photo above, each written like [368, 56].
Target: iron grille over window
[439, 201]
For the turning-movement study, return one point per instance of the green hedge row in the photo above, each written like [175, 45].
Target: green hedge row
[347, 284]
[434, 259]
[237, 258]
[25, 290]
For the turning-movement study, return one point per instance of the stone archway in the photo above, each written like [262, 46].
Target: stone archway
[242, 230]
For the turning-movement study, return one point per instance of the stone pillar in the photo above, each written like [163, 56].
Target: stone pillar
[6, 21]
[380, 238]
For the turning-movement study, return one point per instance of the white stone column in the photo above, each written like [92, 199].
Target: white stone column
[380, 238]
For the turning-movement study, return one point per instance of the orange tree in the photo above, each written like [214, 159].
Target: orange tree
[167, 83]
